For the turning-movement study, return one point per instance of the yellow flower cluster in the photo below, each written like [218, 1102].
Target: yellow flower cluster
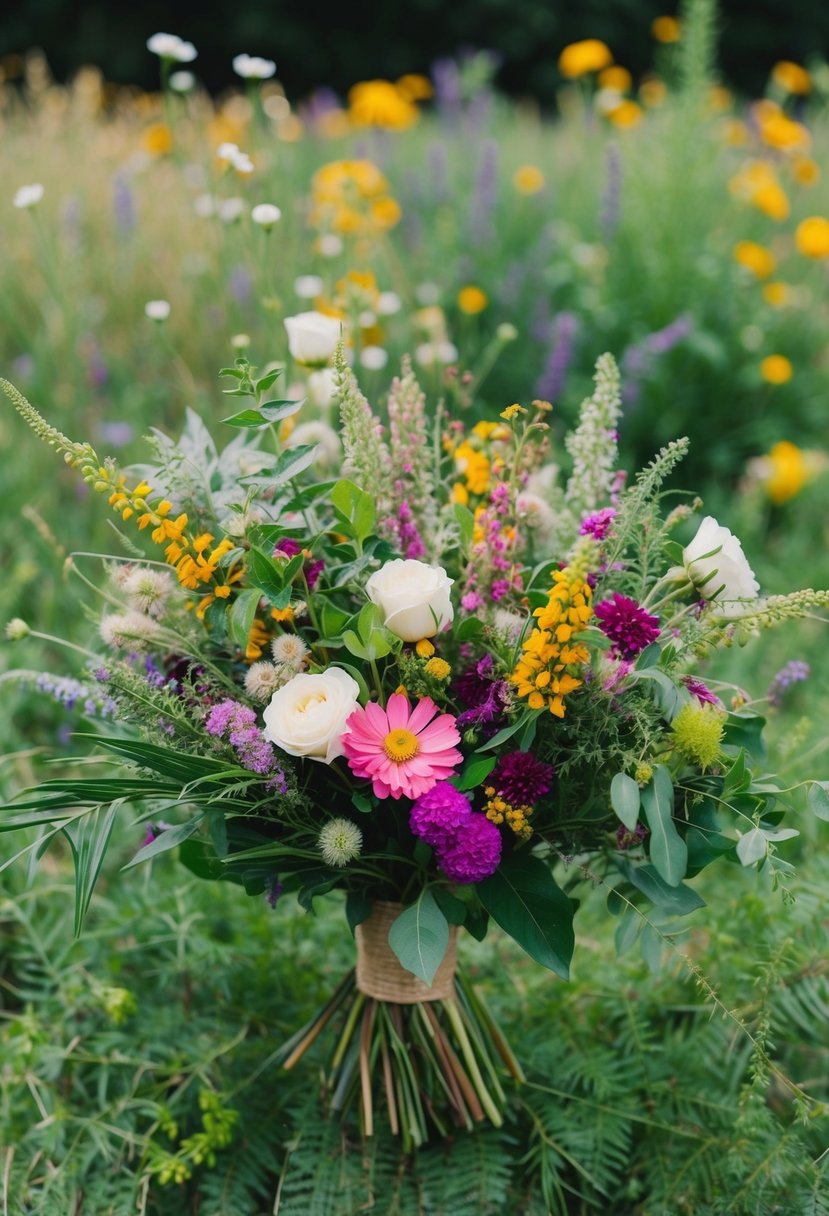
[542, 674]
[477, 457]
[500, 811]
[380, 103]
[758, 184]
[352, 197]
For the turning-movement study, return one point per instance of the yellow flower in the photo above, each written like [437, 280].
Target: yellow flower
[781, 132]
[528, 179]
[385, 212]
[791, 77]
[626, 114]
[415, 87]
[805, 171]
[157, 139]
[424, 648]
[666, 29]
[616, 77]
[788, 473]
[772, 201]
[755, 258]
[812, 237]
[776, 294]
[438, 669]
[580, 58]
[511, 411]
[379, 103]
[472, 300]
[776, 369]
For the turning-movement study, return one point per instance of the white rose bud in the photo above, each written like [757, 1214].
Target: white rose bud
[307, 716]
[413, 597]
[716, 565]
[312, 337]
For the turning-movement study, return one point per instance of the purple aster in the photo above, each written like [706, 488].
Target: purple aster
[701, 691]
[438, 815]
[228, 715]
[475, 852]
[521, 779]
[252, 749]
[792, 673]
[629, 626]
[598, 523]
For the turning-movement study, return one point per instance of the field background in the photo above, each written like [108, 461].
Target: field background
[134, 1063]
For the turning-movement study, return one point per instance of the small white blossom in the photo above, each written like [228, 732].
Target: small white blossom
[17, 629]
[28, 196]
[157, 310]
[240, 341]
[506, 332]
[330, 245]
[266, 215]
[308, 286]
[128, 630]
[373, 358]
[228, 152]
[340, 841]
[427, 293]
[252, 67]
[147, 589]
[182, 82]
[289, 650]
[243, 164]
[388, 303]
[322, 388]
[229, 209]
[367, 319]
[429, 353]
[170, 46]
[262, 681]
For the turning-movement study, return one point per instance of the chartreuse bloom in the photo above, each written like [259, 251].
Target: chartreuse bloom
[697, 732]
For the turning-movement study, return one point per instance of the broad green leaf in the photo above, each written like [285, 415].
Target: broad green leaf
[818, 799]
[166, 840]
[669, 697]
[667, 849]
[466, 524]
[678, 900]
[269, 379]
[355, 509]
[357, 909]
[505, 734]
[476, 770]
[628, 930]
[525, 900]
[247, 419]
[624, 798]
[745, 729]
[241, 615]
[419, 937]
[290, 464]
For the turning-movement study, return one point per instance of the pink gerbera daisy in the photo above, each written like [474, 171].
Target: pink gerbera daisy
[403, 751]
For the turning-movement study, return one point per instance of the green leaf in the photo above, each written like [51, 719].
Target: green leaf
[241, 615]
[525, 900]
[166, 840]
[475, 772]
[667, 849]
[357, 909]
[628, 930]
[268, 413]
[678, 900]
[88, 839]
[466, 524]
[745, 730]
[453, 909]
[419, 937]
[265, 382]
[289, 465]
[505, 734]
[247, 419]
[355, 510]
[818, 799]
[624, 798]
[669, 697]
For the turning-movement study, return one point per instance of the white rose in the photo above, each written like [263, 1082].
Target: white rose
[312, 337]
[322, 388]
[307, 716]
[413, 597]
[716, 565]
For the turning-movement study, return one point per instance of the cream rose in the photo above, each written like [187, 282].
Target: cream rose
[716, 565]
[413, 597]
[307, 716]
[312, 337]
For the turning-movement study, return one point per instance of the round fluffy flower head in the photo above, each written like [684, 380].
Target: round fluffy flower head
[266, 215]
[17, 629]
[157, 310]
[28, 196]
[307, 716]
[403, 751]
[697, 733]
[438, 815]
[312, 337]
[262, 680]
[252, 67]
[172, 48]
[475, 852]
[521, 779]
[629, 627]
[340, 842]
[716, 565]
[413, 597]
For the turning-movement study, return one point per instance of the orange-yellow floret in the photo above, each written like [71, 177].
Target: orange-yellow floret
[542, 673]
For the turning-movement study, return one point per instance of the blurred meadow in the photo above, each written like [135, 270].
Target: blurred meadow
[665, 219]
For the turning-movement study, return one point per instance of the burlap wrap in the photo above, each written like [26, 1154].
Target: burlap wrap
[379, 973]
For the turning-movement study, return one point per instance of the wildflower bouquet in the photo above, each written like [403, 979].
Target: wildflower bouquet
[443, 680]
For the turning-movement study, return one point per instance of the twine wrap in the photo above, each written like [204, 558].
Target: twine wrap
[379, 973]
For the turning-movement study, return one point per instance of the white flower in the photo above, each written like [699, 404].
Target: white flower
[716, 565]
[340, 842]
[240, 341]
[147, 589]
[289, 650]
[204, 205]
[182, 82]
[243, 164]
[427, 293]
[322, 388]
[413, 597]
[28, 196]
[373, 358]
[388, 303]
[429, 353]
[157, 310]
[17, 629]
[312, 337]
[330, 245]
[229, 209]
[308, 286]
[329, 449]
[262, 681]
[307, 716]
[128, 630]
[367, 319]
[536, 514]
[170, 46]
[251, 67]
[228, 152]
[754, 845]
[506, 332]
[266, 215]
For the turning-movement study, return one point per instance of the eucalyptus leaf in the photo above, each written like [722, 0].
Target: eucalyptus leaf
[625, 800]
[818, 799]
[420, 937]
[667, 849]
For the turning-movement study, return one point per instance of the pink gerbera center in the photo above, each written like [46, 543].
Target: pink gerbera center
[402, 750]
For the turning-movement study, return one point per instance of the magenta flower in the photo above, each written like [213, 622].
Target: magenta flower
[521, 779]
[630, 627]
[403, 751]
[438, 815]
[474, 853]
[598, 524]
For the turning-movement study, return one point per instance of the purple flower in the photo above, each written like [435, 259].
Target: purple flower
[793, 672]
[521, 779]
[439, 814]
[630, 627]
[551, 381]
[701, 691]
[629, 840]
[475, 852]
[598, 523]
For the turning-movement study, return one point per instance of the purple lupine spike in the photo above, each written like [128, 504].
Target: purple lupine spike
[551, 382]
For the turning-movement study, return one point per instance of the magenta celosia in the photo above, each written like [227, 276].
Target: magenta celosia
[474, 853]
[521, 779]
[403, 751]
[629, 626]
[701, 691]
[439, 814]
[598, 524]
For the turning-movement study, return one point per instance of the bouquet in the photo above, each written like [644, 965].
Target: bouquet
[409, 660]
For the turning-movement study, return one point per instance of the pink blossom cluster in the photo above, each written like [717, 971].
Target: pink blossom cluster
[492, 573]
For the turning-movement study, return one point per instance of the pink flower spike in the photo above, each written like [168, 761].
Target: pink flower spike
[403, 751]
